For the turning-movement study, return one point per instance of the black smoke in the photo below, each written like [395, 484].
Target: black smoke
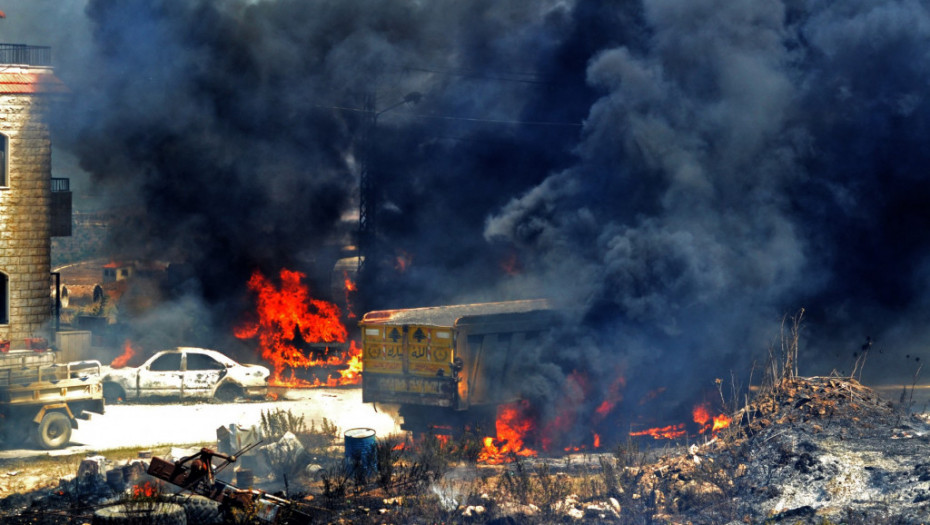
[679, 175]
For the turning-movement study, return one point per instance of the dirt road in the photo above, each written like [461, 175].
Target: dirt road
[133, 425]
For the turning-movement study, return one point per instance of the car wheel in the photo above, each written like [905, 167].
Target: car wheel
[113, 393]
[53, 431]
[228, 393]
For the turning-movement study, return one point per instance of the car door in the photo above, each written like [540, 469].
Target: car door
[202, 374]
[161, 377]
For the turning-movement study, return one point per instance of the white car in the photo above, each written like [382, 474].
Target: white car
[186, 373]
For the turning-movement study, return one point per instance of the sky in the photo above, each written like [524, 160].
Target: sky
[680, 176]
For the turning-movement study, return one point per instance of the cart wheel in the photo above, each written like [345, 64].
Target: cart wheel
[154, 514]
[53, 431]
[199, 510]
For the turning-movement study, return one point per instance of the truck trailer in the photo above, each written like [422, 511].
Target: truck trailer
[450, 367]
[41, 399]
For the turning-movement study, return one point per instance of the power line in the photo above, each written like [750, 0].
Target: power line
[499, 121]
[533, 79]
[464, 119]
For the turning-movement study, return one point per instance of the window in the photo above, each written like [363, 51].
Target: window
[4, 299]
[4, 162]
[203, 362]
[166, 363]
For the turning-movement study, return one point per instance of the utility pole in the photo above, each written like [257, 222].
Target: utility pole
[370, 194]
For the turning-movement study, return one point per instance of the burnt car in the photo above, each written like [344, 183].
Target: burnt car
[186, 373]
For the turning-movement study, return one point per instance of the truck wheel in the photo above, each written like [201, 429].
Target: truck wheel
[53, 431]
[227, 393]
[113, 393]
[156, 514]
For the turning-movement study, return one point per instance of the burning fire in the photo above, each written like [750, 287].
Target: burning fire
[667, 432]
[287, 318]
[123, 359]
[700, 415]
[350, 288]
[511, 265]
[402, 261]
[145, 490]
[512, 427]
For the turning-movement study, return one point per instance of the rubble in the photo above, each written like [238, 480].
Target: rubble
[812, 450]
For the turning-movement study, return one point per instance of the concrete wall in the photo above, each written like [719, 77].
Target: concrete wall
[25, 248]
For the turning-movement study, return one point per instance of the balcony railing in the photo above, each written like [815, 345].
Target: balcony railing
[61, 184]
[25, 55]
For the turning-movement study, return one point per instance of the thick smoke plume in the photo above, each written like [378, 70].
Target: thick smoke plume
[679, 175]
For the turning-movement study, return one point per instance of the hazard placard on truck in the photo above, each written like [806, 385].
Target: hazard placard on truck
[456, 356]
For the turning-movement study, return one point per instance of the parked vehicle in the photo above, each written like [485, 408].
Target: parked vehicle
[186, 373]
[450, 366]
[41, 399]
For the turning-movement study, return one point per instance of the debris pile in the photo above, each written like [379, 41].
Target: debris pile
[806, 451]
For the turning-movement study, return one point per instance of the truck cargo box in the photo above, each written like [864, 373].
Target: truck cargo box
[457, 356]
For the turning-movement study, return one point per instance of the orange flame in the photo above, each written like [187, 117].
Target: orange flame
[350, 288]
[700, 414]
[511, 265]
[402, 261]
[702, 417]
[288, 316]
[512, 426]
[667, 432]
[145, 490]
[613, 397]
[721, 422]
[123, 359]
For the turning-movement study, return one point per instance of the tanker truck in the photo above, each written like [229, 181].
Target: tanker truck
[450, 367]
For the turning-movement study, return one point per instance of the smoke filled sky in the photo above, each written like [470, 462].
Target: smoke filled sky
[682, 174]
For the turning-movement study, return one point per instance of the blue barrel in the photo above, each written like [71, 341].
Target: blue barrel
[361, 452]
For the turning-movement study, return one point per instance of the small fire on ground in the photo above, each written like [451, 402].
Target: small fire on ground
[513, 427]
[296, 331]
[517, 429]
[700, 415]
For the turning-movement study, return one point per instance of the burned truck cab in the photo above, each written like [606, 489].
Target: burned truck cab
[448, 367]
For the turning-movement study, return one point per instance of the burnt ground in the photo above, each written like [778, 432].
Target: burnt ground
[810, 450]
[822, 450]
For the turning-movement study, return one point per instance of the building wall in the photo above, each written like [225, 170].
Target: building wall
[25, 247]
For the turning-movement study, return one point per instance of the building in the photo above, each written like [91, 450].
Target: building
[34, 207]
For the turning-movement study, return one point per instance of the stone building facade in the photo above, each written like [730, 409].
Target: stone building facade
[27, 215]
